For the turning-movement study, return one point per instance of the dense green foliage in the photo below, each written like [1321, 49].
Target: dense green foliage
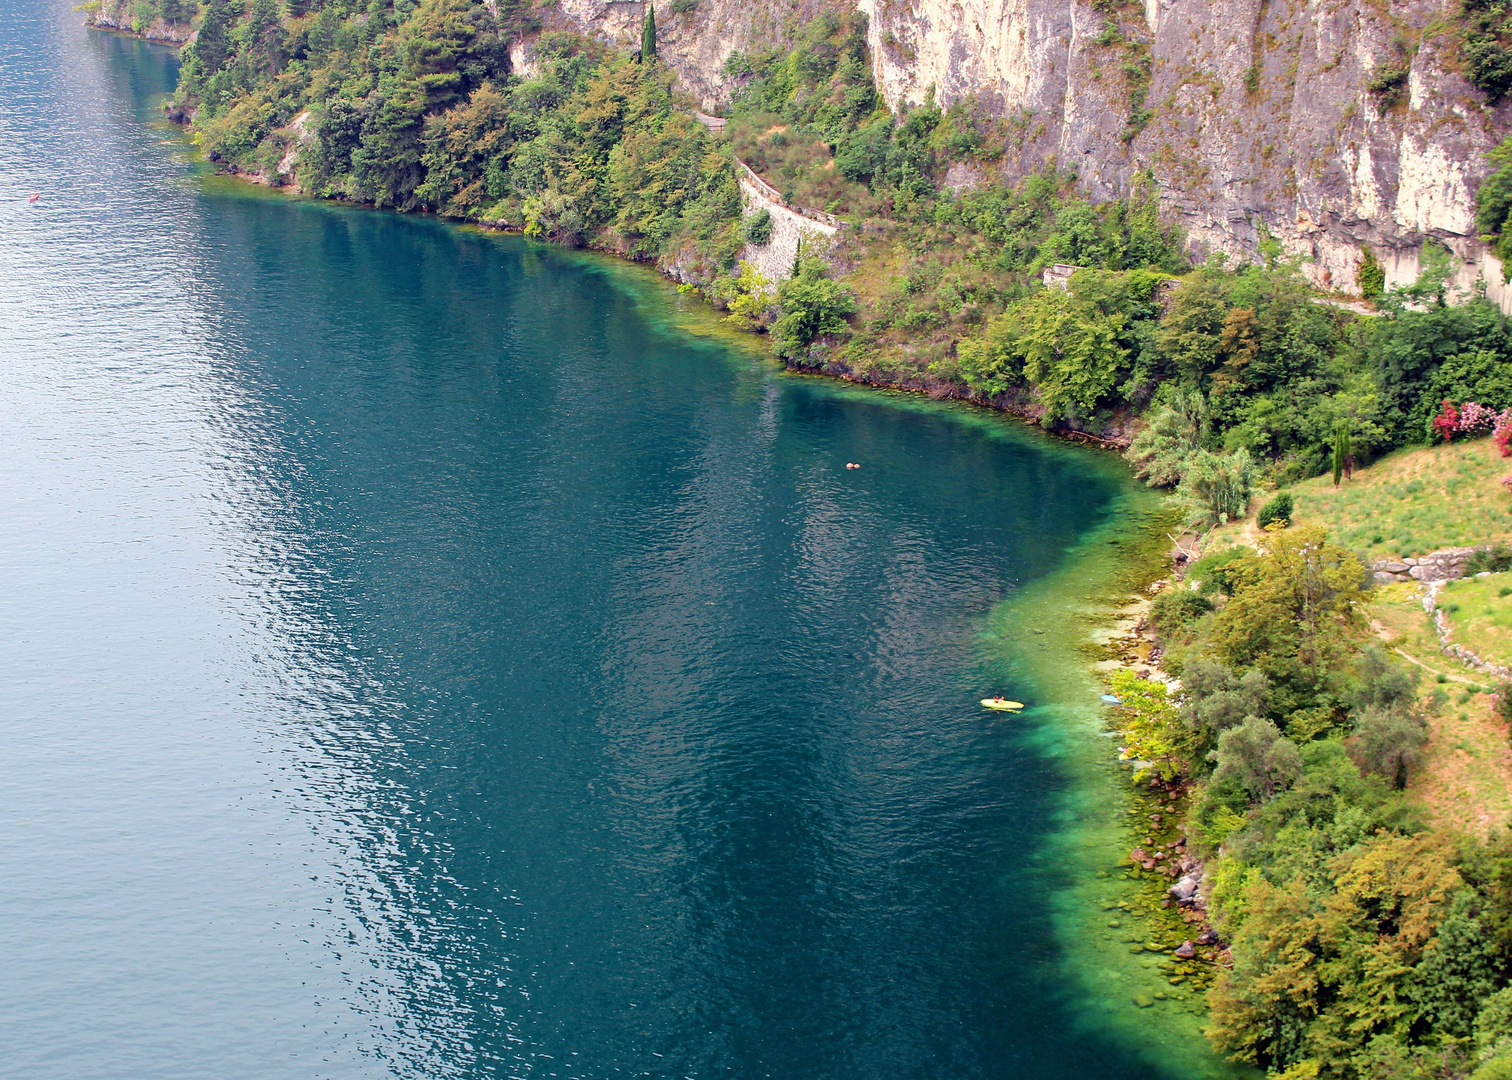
[1263, 366]
[758, 227]
[420, 110]
[1493, 202]
[1276, 511]
[648, 35]
[813, 306]
[1363, 946]
[1486, 46]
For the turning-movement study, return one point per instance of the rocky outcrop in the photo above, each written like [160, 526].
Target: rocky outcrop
[122, 16]
[1252, 116]
[1445, 565]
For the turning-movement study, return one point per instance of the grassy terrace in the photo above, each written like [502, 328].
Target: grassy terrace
[1479, 610]
[1415, 501]
[1408, 504]
[1466, 778]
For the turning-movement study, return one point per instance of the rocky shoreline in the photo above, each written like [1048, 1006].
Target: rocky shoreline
[118, 16]
[1161, 856]
[1163, 853]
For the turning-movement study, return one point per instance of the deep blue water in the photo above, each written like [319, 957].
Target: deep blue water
[421, 657]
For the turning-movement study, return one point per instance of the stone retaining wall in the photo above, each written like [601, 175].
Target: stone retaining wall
[789, 228]
[1448, 647]
[1445, 565]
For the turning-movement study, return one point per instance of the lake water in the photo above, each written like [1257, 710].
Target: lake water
[432, 655]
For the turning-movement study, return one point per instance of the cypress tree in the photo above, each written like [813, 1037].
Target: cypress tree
[648, 35]
[1343, 457]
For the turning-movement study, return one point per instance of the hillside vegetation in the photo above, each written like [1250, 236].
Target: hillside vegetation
[1346, 784]
[1411, 502]
[1415, 501]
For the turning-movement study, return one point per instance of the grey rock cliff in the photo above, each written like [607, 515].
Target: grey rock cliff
[1259, 113]
[122, 16]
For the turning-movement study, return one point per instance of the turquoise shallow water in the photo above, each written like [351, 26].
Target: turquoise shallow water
[424, 657]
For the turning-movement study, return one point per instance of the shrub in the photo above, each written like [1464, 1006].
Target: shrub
[812, 306]
[1501, 702]
[1497, 558]
[1447, 422]
[1176, 608]
[1388, 85]
[1488, 60]
[1278, 509]
[1371, 276]
[1216, 488]
[1173, 432]
[1213, 571]
[758, 227]
[750, 298]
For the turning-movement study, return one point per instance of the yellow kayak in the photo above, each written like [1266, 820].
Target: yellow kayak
[1000, 705]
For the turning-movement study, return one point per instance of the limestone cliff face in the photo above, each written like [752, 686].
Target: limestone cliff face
[121, 15]
[1258, 111]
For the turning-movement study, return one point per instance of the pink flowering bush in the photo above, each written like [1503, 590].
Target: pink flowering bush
[1446, 423]
[1501, 433]
[1472, 417]
[1475, 416]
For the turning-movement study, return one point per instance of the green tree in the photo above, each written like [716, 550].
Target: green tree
[1371, 276]
[1070, 351]
[753, 299]
[1316, 979]
[265, 37]
[1493, 205]
[1493, 1023]
[1215, 488]
[648, 36]
[1388, 742]
[1294, 612]
[1255, 756]
[1460, 969]
[812, 305]
[1343, 456]
[1217, 698]
[1152, 728]
[1173, 432]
